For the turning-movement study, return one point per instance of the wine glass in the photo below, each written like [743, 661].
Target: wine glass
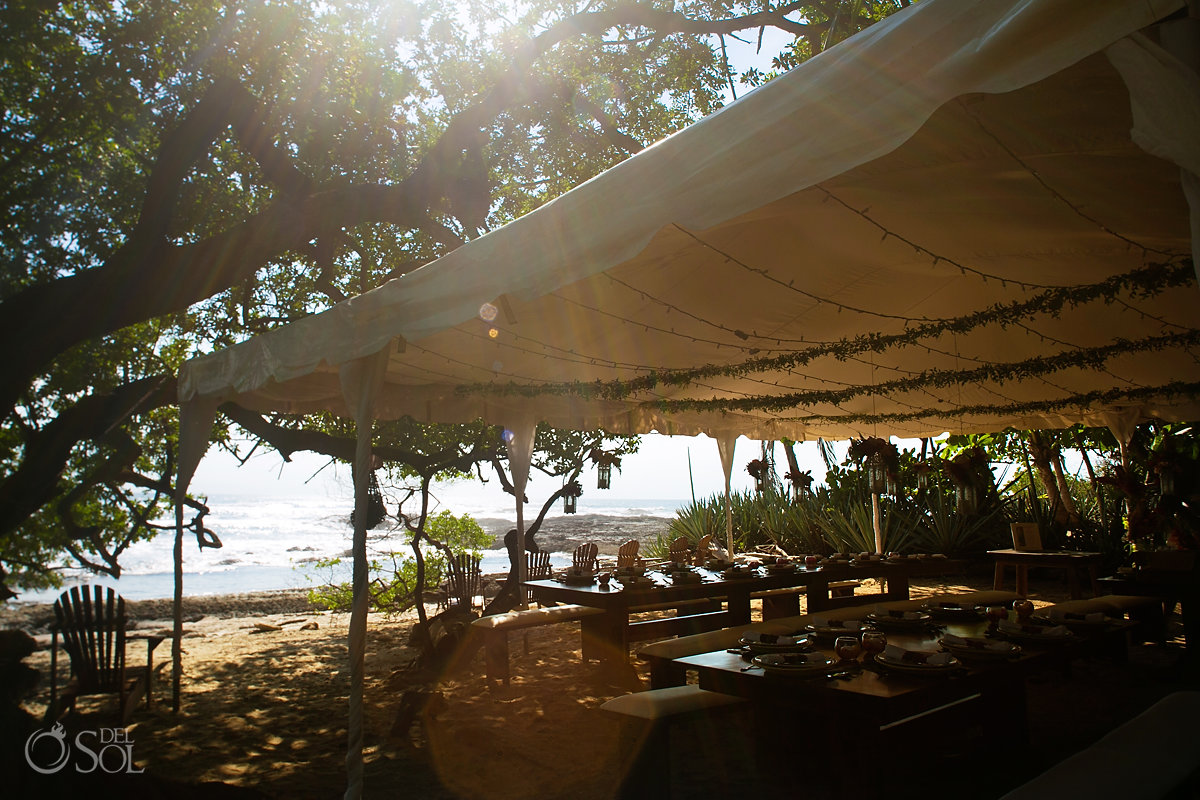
[873, 643]
[847, 649]
[994, 615]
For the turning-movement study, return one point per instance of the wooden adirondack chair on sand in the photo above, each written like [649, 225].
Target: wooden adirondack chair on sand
[91, 621]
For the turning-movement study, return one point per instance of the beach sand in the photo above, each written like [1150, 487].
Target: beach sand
[266, 682]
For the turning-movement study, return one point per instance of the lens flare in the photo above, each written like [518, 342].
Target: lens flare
[488, 312]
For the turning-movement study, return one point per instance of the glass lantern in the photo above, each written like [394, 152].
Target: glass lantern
[966, 498]
[570, 503]
[1166, 481]
[877, 474]
[603, 475]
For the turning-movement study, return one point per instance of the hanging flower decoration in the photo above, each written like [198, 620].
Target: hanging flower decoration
[757, 469]
[801, 480]
[882, 460]
[970, 473]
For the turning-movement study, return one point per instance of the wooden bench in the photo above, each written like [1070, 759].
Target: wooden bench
[495, 629]
[785, 602]
[1152, 755]
[646, 720]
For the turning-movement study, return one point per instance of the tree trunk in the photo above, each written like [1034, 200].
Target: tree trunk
[1041, 452]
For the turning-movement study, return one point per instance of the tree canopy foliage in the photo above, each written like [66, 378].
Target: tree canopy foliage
[180, 176]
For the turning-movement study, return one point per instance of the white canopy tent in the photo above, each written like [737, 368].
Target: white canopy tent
[972, 215]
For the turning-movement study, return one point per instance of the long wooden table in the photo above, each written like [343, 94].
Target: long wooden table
[608, 635]
[861, 718]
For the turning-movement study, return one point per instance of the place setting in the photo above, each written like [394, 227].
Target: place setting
[979, 648]
[833, 627]
[897, 620]
[952, 611]
[926, 663]
[755, 643]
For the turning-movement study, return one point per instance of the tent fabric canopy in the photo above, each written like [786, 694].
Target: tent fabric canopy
[910, 233]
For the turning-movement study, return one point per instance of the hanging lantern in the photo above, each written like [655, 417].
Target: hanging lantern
[603, 476]
[570, 503]
[1166, 479]
[967, 499]
[877, 473]
[923, 469]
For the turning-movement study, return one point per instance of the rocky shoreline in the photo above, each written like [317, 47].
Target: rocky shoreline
[557, 534]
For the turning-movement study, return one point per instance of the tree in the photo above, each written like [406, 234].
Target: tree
[181, 176]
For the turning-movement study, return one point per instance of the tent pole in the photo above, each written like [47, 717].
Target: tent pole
[361, 381]
[725, 446]
[177, 610]
[358, 614]
[520, 455]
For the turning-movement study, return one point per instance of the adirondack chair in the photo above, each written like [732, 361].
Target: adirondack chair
[679, 552]
[537, 567]
[585, 556]
[91, 621]
[703, 550]
[627, 554]
[465, 580]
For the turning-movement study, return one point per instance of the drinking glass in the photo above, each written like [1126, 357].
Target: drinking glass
[873, 643]
[847, 649]
[994, 615]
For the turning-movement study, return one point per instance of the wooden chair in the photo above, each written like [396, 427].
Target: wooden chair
[679, 551]
[537, 567]
[585, 556]
[627, 554]
[465, 580]
[91, 621]
[703, 549]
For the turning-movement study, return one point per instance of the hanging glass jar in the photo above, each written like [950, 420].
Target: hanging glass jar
[603, 475]
[966, 498]
[1166, 479]
[877, 474]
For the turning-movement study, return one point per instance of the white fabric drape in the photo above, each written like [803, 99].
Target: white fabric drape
[520, 454]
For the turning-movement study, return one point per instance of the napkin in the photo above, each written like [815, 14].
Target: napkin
[1040, 630]
[753, 637]
[851, 625]
[895, 652]
[976, 643]
[1058, 615]
[793, 659]
[897, 614]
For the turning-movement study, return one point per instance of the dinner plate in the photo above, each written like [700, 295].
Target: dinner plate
[831, 631]
[781, 567]
[954, 612]
[899, 623]
[1033, 633]
[915, 668]
[1072, 624]
[980, 653]
[686, 577]
[791, 644]
[578, 580]
[794, 663]
[739, 573]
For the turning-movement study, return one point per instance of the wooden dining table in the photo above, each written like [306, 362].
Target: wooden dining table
[856, 722]
[607, 636]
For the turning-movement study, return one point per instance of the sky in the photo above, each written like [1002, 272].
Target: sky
[660, 470]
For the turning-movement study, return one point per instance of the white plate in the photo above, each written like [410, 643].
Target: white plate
[794, 663]
[828, 631]
[919, 669]
[1036, 636]
[951, 612]
[800, 643]
[980, 653]
[897, 623]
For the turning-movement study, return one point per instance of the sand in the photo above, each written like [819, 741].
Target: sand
[266, 683]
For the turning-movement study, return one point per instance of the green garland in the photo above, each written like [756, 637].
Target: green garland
[1087, 358]
[1187, 389]
[1142, 282]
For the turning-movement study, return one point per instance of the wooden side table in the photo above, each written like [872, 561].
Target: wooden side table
[1073, 562]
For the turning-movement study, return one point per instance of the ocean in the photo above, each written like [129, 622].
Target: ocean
[270, 542]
